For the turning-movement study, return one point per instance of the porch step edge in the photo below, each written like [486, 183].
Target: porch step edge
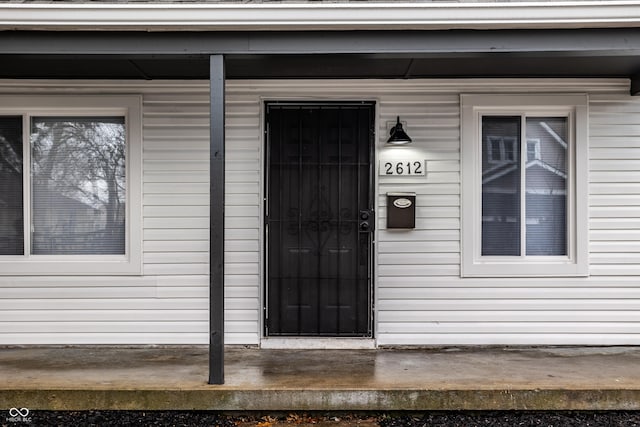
[220, 399]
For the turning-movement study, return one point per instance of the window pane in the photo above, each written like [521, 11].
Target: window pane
[546, 187]
[501, 185]
[78, 181]
[11, 200]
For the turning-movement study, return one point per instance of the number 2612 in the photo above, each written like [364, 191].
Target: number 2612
[404, 168]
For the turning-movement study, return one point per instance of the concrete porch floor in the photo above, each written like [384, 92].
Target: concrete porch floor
[174, 378]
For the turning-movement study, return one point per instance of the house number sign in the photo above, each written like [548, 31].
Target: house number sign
[405, 167]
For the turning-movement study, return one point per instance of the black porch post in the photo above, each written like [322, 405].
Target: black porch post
[216, 226]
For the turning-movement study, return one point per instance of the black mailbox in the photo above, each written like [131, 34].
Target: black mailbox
[401, 210]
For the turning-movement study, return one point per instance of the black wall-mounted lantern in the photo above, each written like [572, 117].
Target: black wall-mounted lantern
[398, 135]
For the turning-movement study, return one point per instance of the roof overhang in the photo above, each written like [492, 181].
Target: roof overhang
[611, 52]
[322, 40]
[295, 16]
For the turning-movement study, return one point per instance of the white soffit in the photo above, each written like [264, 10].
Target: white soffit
[317, 16]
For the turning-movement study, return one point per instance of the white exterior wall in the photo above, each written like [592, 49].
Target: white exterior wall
[420, 297]
[169, 303]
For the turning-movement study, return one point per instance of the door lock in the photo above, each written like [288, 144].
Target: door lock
[366, 221]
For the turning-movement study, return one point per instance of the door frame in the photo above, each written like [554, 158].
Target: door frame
[366, 342]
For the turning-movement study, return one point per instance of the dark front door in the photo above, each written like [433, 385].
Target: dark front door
[319, 222]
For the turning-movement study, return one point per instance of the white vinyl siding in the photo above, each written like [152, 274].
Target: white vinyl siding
[420, 297]
[420, 307]
[176, 208]
[614, 184]
[168, 304]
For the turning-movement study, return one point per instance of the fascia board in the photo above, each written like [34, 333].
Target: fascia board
[317, 16]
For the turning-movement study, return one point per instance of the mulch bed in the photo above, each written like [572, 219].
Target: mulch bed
[431, 419]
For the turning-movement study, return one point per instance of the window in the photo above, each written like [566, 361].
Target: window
[524, 178]
[533, 149]
[501, 149]
[70, 185]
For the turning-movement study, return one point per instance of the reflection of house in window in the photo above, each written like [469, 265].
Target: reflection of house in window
[501, 149]
[547, 151]
[541, 177]
[66, 225]
[533, 149]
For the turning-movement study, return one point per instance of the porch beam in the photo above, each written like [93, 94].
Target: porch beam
[216, 218]
[591, 42]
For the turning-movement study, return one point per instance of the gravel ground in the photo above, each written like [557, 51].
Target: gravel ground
[516, 419]
[435, 419]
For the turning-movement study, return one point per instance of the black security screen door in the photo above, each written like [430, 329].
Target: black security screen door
[319, 223]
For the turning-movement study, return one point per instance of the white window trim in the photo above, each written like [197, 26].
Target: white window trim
[129, 106]
[473, 107]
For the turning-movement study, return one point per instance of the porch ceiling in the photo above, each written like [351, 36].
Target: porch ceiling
[355, 54]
